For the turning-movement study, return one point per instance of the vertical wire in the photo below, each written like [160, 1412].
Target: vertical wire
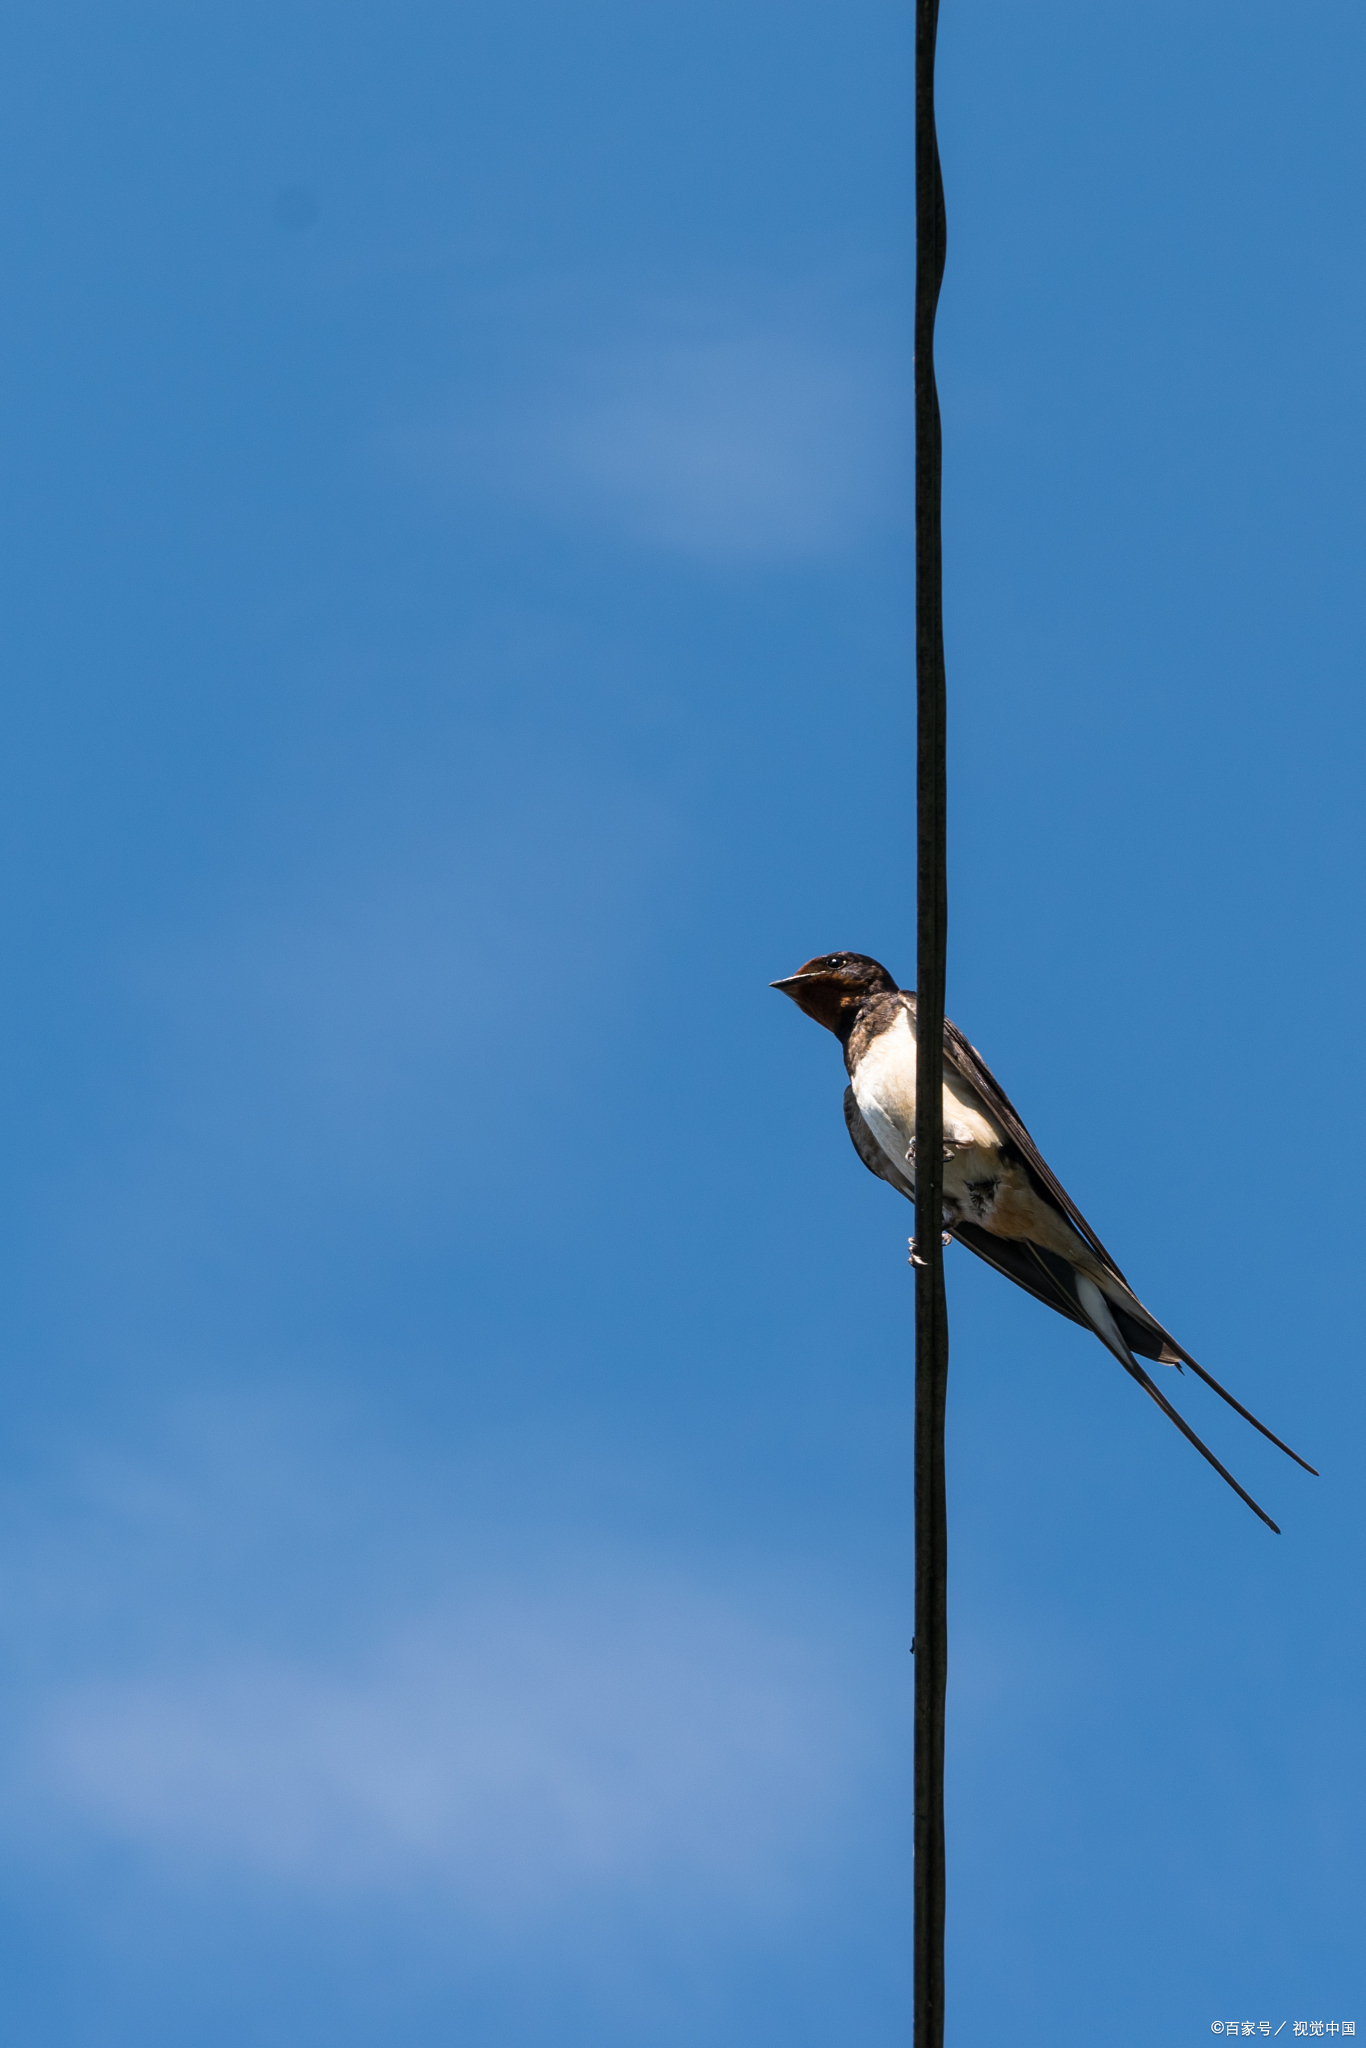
[931, 1312]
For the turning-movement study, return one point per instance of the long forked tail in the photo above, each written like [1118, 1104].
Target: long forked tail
[1059, 1284]
[1131, 1365]
[1246, 1414]
[1155, 1342]
[1103, 1323]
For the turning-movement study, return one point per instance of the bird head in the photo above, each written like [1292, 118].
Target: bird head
[833, 988]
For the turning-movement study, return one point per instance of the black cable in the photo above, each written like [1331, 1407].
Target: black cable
[931, 1312]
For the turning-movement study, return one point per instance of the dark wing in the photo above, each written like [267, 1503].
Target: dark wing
[1041, 1273]
[870, 1152]
[1021, 1262]
[1028, 1266]
[1050, 1279]
[968, 1062]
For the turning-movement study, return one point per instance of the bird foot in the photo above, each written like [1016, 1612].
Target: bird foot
[952, 1148]
[916, 1259]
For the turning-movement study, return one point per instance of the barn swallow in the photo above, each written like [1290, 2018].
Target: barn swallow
[1000, 1198]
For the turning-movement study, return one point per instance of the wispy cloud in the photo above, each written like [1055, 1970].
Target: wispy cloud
[313, 1683]
[517, 1747]
[759, 446]
[751, 440]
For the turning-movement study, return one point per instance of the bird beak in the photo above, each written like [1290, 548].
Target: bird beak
[793, 983]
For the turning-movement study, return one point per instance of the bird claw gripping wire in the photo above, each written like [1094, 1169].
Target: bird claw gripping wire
[916, 1259]
[952, 1147]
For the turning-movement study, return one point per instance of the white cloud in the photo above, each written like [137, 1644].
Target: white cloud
[759, 446]
[517, 1749]
[762, 443]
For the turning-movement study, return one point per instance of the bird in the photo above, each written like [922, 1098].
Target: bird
[1001, 1199]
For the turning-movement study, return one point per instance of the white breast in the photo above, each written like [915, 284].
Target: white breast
[884, 1089]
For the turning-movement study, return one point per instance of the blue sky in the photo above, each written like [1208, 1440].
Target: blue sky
[455, 1491]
